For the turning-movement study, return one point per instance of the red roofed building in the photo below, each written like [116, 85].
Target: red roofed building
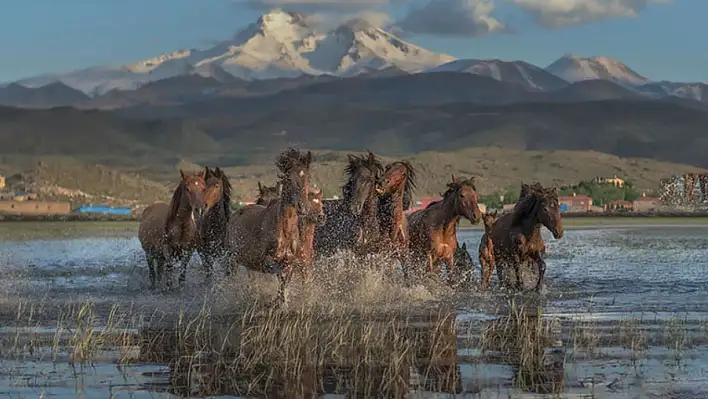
[422, 204]
[575, 203]
[646, 204]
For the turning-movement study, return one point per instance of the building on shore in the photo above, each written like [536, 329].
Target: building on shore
[646, 204]
[575, 203]
[615, 181]
[35, 207]
[2, 182]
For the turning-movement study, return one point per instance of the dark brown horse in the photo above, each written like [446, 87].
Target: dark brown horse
[398, 184]
[213, 228]
[486, 249]
[352, 222]
[169, 233]
[267, 194]
[315, 217]
[516, 236]
[266, 238]
[433, 230]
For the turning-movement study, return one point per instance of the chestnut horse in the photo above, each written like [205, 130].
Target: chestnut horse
[213, 228]
[516, 236]
[433, 230]
[315, 217]
[266, 238]
[267, 194]
[169, 233]
[486, 249]
[397, 184]
[352, 222]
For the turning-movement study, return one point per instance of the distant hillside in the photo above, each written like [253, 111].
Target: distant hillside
[68, 178]
[494, 168]
[52, 95]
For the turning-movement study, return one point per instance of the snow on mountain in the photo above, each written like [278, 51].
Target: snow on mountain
[574, 69]
[528, 75]
[691, 91]
[280, 44]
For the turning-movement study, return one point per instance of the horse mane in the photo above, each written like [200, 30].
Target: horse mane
[411, 184]
[227, 190]
[175, 202]
[368, 161]
[289, 159]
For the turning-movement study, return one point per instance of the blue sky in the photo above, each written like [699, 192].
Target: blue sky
[661, 39]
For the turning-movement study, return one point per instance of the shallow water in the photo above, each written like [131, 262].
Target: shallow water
[650, 274]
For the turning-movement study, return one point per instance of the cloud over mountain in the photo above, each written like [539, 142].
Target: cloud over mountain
[453, 17]
[562, 13]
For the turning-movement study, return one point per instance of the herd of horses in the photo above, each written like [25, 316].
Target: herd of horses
[290, 226]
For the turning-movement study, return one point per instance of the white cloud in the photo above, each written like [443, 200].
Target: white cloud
[561, 13]
[331, 20]
[453, 17]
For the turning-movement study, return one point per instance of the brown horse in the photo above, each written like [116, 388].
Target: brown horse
[266, 238]
[315, 217]
[398, 184]
[486, 249]
[433, 230]
[267, 194]
[516, 236]
[213, 227]
[352, 222]
[169, 233]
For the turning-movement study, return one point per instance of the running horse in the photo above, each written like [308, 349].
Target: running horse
[397, 184]
[315, 217]
[266, 238]
[433, 230]
[169, 233]
[516, 236]
[352, 222]
[213, 229]
[486, 249]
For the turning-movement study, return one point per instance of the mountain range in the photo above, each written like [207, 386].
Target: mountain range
[283, 51]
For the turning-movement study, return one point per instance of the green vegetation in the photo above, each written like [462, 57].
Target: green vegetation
[602, 193]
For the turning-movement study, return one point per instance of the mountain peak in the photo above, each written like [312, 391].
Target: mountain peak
[575, 68]
[277, 19]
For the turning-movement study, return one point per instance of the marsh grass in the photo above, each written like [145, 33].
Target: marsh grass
[522, 337]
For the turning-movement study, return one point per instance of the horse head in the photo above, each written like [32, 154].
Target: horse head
[267, 194]
[363, 181]
[488, 219]
[542, 204]
[294, 177]
[463, 193]
[399, 175]
[316, 213]
[218, 189]
[193, 189]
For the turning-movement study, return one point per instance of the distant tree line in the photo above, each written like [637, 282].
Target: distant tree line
[603, 193]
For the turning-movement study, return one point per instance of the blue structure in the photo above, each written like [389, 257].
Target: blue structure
[564, 207]
[102, 209]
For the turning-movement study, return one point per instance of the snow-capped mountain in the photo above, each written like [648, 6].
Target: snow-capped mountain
[574, 69]
[528, 75]
[280, 44]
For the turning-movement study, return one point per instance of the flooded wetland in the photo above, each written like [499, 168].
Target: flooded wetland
[625, 315]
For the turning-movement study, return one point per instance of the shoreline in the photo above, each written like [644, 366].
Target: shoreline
[566, 216]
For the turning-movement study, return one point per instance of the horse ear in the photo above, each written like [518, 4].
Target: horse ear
[494, 213]
[454, 179]
[372, 157]
[218, 172]
[205, 172]
[181, 173]
[464, 246]
[308, 158]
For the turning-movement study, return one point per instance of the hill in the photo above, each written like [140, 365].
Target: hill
[66, 178]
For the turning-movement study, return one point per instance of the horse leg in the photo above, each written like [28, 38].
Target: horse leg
[541, 272]
[485, 271]
[491, 266]
[151, 270]
[451, 270]
[183, 262]
[208, 262]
